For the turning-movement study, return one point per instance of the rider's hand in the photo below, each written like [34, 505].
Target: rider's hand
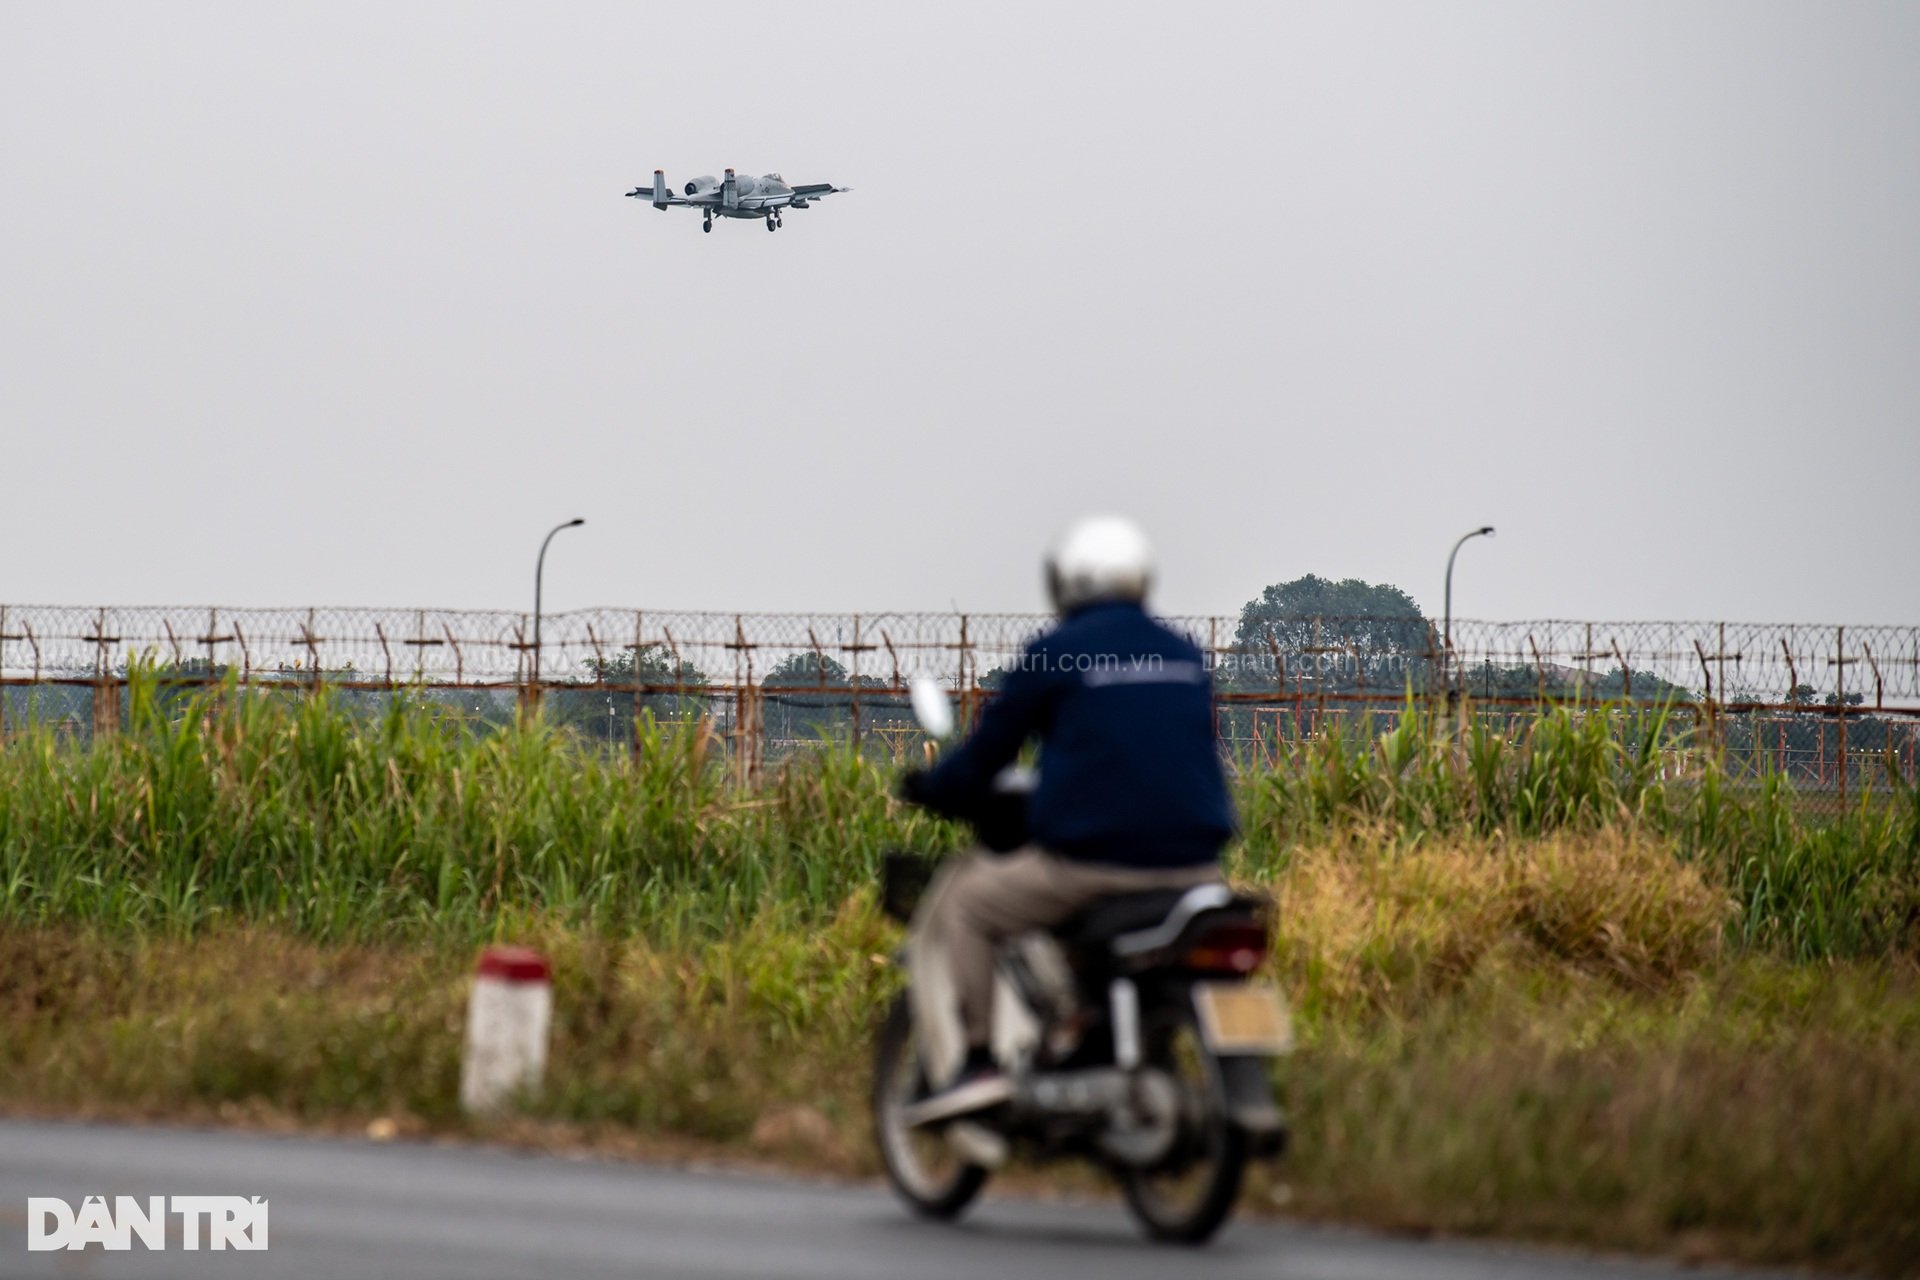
[913, 787]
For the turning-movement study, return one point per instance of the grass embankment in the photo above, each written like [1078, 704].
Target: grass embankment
[1538, 993]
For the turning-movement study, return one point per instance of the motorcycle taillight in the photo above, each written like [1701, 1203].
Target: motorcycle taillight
[1236, 947]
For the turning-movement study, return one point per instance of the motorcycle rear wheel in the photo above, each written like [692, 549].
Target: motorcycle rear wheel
[922, 1167]
[1187, 1197]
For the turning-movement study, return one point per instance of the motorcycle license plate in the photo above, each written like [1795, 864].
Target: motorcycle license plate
[1241, 1018]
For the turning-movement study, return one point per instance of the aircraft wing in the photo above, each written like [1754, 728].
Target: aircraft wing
[813, 190]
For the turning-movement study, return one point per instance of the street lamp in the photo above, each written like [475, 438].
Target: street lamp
[539, 569]
[1447, 627]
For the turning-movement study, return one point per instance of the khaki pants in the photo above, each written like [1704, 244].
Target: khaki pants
[979, 899]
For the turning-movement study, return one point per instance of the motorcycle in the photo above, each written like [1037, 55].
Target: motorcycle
[1134, 1036]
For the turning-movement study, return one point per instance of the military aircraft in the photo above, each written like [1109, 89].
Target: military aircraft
[731, 197]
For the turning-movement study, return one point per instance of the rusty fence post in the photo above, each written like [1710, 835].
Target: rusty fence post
[749, 728]
[246, 655]
[4, 637]
[459, 659]
[639, 706]
[854, 650]
[680, 677]
[526, 682]
[1879, 686]
[1279, 698]
[385, 651]
[960, 682]
[749, 713]
[1706, 674]
[210, 678]
[1839, 663]
[1720, 658]
[106, 689]
[312, 645]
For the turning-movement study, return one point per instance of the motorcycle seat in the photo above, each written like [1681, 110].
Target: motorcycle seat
[1108, 918]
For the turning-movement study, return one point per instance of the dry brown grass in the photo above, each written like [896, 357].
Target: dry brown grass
[1366, 923]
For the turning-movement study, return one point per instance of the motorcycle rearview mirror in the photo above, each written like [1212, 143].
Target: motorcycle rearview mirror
[930, 706]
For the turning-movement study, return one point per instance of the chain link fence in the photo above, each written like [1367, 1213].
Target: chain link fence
[1833, 708]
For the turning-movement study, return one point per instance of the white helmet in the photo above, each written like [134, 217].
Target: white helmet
[1099, 558]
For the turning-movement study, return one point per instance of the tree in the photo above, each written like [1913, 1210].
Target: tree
[676, 691]
[794, 713]
[1645, 686]
[1330, 636]
[1805, 695]
[652, 664]
[807, 670]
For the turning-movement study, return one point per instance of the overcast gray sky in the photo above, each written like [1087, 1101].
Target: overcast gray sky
[341, 304]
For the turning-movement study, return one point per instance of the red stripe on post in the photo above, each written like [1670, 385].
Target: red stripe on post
[514, 964]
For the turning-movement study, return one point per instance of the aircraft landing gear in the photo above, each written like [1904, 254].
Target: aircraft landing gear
[708, 224]
[771, 224]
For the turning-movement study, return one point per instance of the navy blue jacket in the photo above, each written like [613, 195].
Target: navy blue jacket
[1130, 774]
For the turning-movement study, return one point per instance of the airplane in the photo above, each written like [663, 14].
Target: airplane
[731, 197]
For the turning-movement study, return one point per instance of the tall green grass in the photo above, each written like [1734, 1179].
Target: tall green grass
[310, 813]
[1808, 886]
[306, 812]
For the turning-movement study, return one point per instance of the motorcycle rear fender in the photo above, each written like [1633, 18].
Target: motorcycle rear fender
[1248, 1091]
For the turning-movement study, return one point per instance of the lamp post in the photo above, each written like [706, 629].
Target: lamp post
[539, 570]
[1446, 633]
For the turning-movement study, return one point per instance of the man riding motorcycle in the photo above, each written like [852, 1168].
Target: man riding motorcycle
[1131, 796]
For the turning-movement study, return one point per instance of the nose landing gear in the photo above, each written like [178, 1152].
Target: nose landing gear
[773, 222]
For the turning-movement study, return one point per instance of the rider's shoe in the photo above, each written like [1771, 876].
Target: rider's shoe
[980, 1086]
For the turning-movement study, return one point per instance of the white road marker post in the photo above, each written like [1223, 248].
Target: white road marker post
[507, 1019]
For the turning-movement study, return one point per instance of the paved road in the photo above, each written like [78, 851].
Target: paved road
[343, 1209]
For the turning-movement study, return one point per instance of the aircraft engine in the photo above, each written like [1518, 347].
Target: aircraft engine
[705, 182]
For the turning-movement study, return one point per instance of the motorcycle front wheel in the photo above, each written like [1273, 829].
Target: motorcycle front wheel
[921, 1165]
[1186, 1197]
